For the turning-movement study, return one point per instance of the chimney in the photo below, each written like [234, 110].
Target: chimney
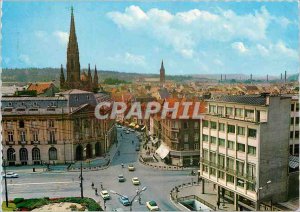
[267, 78]
[284, 76]
[281, 76]
[221, 77]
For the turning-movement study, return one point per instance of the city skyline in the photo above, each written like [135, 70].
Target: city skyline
[198, 38]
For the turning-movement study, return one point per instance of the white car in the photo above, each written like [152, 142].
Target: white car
[127, 132]
[105, 195]
[131, 130]
[152, 206]
[131, 167]
[135, 181]
[11, 175]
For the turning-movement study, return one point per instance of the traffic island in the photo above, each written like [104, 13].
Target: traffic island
[53, 204]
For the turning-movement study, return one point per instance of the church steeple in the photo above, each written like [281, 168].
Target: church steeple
[62, 77]
[162, 73]
[73, 65]
[95, 83]
[90, 75]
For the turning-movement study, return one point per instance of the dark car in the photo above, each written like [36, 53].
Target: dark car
[124, 200]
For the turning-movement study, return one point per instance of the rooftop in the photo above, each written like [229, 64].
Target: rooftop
[245, 99]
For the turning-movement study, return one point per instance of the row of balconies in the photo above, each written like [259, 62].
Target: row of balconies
[26, 142]
[229, 170]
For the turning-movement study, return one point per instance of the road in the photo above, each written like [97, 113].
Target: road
[158, 182]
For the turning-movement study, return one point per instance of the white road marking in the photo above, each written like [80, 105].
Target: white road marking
[44, 183]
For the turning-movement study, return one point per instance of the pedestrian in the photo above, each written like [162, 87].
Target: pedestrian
[218, 204]
[92, 185]
[96, 191]
[140, 200]
[101, 186]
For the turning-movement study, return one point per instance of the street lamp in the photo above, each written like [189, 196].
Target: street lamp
[81, 178]
[258, 190]
[137, 194]
[5, 181]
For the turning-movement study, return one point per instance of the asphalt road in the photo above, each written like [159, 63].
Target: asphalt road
[158, 183]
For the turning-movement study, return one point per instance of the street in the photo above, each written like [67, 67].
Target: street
[64, 184]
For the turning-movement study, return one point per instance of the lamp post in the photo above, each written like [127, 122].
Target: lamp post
[5, 181]
[137, 194]
[81, 178]
[258, 195]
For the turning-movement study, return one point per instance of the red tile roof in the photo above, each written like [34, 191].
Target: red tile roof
[40, 87]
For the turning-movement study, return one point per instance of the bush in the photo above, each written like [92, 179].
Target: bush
[18, 200]
[32, 203]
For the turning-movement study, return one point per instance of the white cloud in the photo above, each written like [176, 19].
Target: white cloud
[129, 59]
[239, 46]
[24, 58]
[40, 34]
[62, 37]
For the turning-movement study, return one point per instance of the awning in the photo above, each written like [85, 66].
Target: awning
[293, 162]
[162, 151]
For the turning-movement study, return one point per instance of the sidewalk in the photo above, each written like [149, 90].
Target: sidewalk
[209, 196]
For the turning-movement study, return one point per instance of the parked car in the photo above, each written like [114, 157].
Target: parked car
[131, 130]
[127, 132]
[105, 195]
[135, 181]
[152, 206]
[121, 178]
[11, 175]
[131, 167]
[124, 200]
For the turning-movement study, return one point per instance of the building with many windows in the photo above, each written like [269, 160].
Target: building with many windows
[53, 130]
[294, 127]
[245, 148]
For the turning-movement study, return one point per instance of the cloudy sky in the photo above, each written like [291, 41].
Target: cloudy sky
[192, 38]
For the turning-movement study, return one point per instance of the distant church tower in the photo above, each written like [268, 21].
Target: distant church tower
[162, 73]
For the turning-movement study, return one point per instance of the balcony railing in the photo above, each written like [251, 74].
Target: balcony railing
[52, 142]
[35, 142]
[22, 142]
[175, 129]
[10, 142]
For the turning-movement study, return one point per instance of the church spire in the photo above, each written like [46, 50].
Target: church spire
[95, 83]
[89, 75]
[73, 65]
[162, 73]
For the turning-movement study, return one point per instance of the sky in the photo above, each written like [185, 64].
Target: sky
[191, 37]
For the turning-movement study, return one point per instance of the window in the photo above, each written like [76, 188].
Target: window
[297, 107]
[52, 153]
[185, 125]
[21, 124]
[213, 157]
[9, 125]
[220, 110]
[35, 104]
[250, 186]
[36, 154]
[196, 125]
[212, 109]
[292, 121]
[52, 137]
[10, 136]
[51, 123]
[230, 128]
[196, 137]
[205, 123]
[296, 149]
[251, 150]
[240, 167]
[296, 134]
[196, 146]
[251, 170]
[249, 114]
[213, 140]
[241, 130]
[240, 182]
[221, 127]
[241, 147]
[221, 161]
[291, 134]
[10, 104]
[205, 154]
[186, 146]
[292, 107]
[291, 150]
[213, 171]
[252, 133]
[231, 145]
[297, 120]
[205, 168]
[229, 178]
[230, 163]
[213, 125]
[33, 124]
[35, 136]
[204, 137]
[221, 175]
[238, 112]
[23, 154]
[22, 136]
[11, 154]
[186, 137]
[87, 97]
[221, 142]
[229, 111]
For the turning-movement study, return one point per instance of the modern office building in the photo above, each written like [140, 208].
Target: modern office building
[245, 149]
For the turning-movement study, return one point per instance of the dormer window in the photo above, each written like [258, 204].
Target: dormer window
[76, 98]
[87, 97]
[23, 103]
[10, 104]
[35, 104]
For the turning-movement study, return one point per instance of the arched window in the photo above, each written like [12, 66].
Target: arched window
[36, 155]
[23, 154]
[11, 154]
[52, 153]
